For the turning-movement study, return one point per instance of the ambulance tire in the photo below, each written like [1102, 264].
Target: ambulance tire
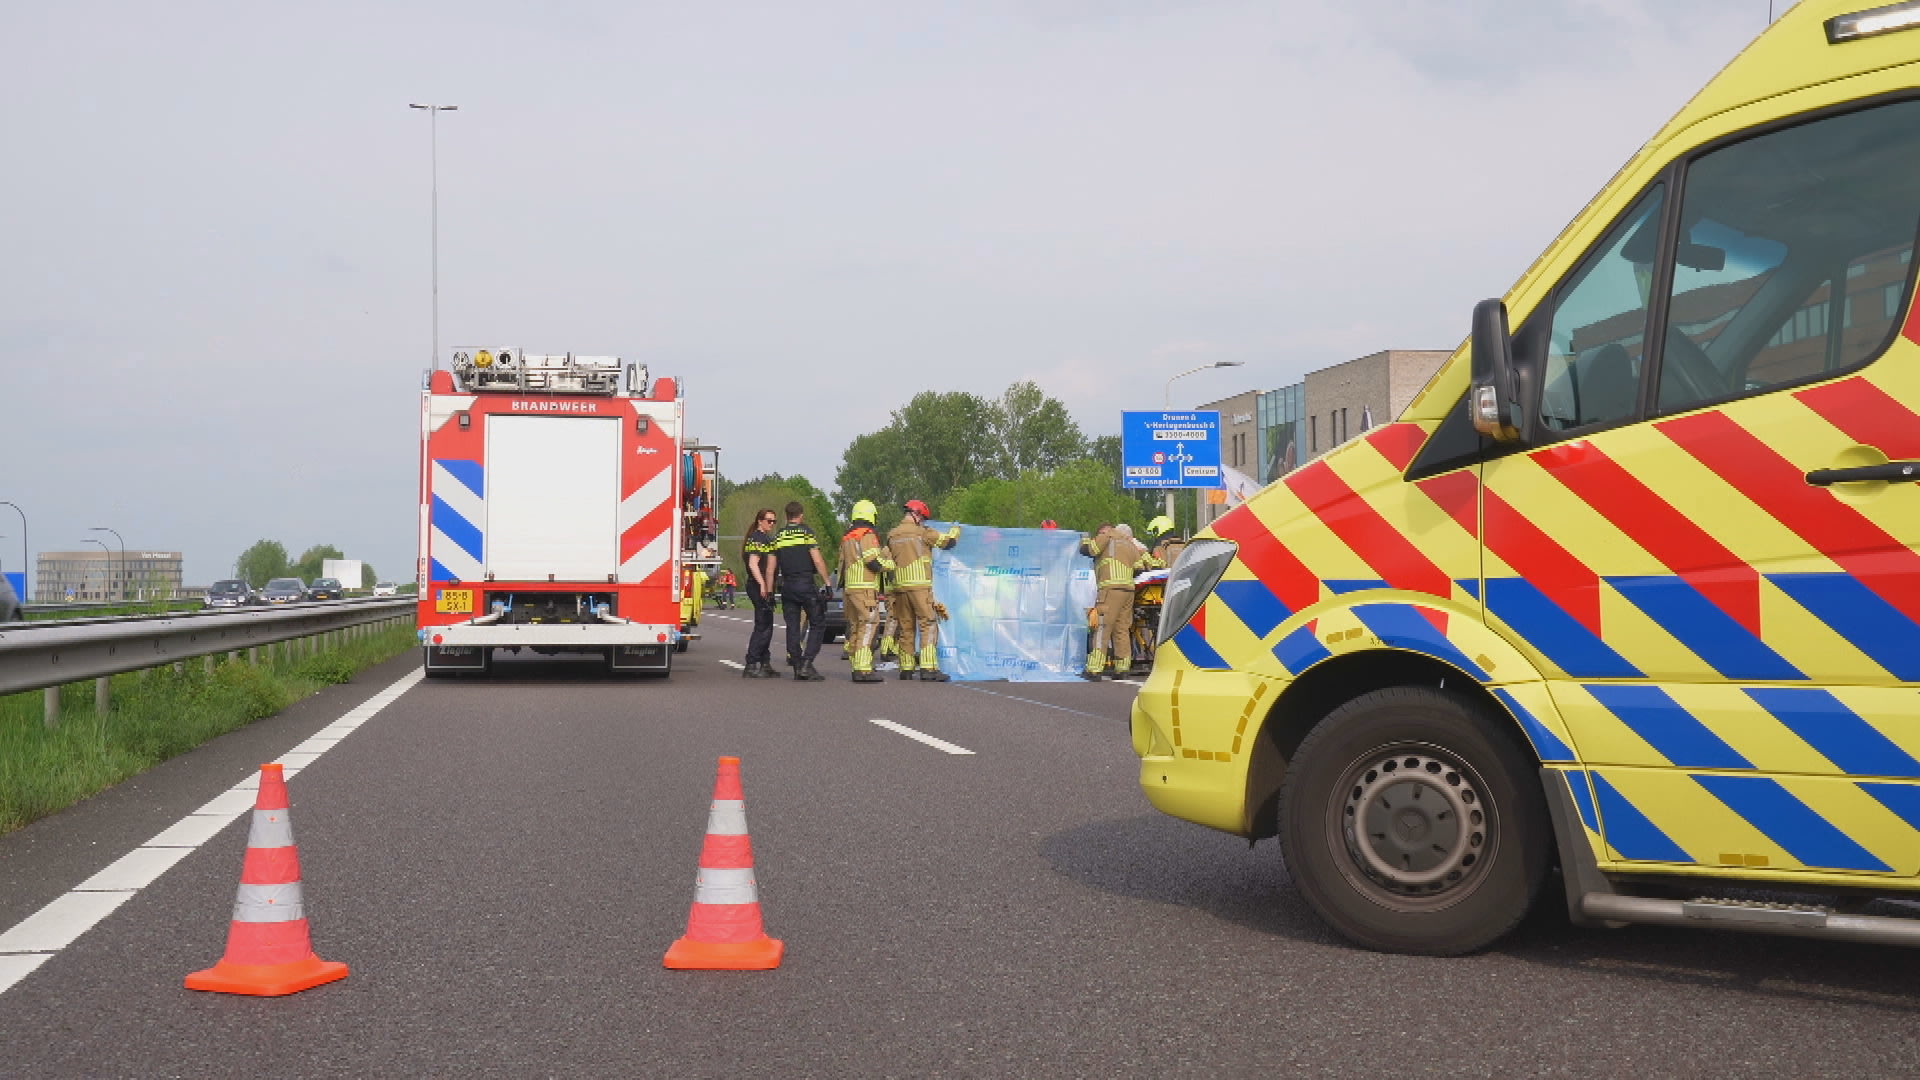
[1452, 843]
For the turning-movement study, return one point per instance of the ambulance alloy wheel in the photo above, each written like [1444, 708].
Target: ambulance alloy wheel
[1413, 823]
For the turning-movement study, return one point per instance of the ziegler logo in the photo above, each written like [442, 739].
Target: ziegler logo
[557, 406]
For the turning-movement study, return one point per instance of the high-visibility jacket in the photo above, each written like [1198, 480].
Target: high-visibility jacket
[1116, 559]
[862, 559]
[1169, 549]
[911, 545]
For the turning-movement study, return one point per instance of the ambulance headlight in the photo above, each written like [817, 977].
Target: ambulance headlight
[1194, 574]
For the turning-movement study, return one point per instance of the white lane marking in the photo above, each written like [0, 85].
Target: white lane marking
[735, 665]
[54, 927]
[17, 967]
[1030, 701]
[729, 618]
[920, 736]
[137, 869]
[30, 942]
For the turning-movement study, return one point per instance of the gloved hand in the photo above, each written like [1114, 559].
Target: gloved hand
[953, 532]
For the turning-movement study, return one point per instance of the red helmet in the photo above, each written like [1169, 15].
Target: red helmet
[917, 507]
[1048, 524]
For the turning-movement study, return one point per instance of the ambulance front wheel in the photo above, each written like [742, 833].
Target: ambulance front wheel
[1411, 823]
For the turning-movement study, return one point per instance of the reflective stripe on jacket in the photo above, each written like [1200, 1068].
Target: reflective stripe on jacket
[862, 559]
[911, 545]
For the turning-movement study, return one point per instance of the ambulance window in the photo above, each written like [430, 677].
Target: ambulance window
[1793, 243]
[1592, 371]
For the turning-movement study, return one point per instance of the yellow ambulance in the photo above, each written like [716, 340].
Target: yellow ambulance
[1632, 586]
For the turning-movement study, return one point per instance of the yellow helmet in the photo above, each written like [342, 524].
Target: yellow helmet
[864, 510]
[1160, 525]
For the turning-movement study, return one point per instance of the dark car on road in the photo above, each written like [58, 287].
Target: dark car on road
[284, 590]
[326, 588]
[231, 593]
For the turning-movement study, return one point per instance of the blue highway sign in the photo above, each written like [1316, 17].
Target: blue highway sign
[1170, 450]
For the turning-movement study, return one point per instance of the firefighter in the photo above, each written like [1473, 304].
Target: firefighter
[796, 554]
[862, 563]
[911, 543]
[1116, 556]
[1165, 540]
[888, 652]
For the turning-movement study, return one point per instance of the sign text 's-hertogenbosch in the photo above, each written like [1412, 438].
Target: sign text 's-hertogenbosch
[1170, 449]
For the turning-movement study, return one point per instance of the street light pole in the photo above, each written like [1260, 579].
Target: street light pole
[433, 128]
[108, 552]
[123, 557]
[1167, 403]
[26, 580]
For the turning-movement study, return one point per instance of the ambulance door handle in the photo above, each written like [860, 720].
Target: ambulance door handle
[1892, 472]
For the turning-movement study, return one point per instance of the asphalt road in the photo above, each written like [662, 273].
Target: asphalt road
[503, 864]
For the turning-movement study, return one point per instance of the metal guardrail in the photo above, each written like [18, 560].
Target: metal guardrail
[48, 655]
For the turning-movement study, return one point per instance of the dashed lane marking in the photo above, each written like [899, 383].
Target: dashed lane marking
[735, 665]
[920, 736]
[35, 939]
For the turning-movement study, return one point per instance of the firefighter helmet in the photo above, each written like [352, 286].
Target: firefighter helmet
[915, 506]
[1048, 524]
[864, 510]
[1160, 526]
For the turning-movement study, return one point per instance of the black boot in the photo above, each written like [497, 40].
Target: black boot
[934, 675]
[867, 676]
[805, 673]
[907, 674]
[751, 671]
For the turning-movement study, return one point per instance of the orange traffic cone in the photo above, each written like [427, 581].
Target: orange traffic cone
[268, 950]
[724, 931]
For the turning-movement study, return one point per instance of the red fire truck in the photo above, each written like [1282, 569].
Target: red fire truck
[554, 513]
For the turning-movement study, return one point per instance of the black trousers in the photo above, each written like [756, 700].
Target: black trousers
[799, 597]
[760, 641]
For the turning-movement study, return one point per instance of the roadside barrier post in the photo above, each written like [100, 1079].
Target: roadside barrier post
[103, 694]
[50, 707]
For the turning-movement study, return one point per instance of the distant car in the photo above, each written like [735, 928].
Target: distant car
[230, 593]
[386, 588]
[326, 588]
[9, 603]
[284, 590]
[835, 624]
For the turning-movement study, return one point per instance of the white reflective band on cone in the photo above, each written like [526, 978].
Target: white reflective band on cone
[271, 828]
[727, 818]
[724, 887]
[269, 903]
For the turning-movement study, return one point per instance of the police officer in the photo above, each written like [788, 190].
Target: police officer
[1165, 540]
[757, 555]
[796, 554]
[1116, 556]
[862, 563]
[912, 544]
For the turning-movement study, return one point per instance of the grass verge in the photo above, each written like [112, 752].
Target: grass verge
[153, 718]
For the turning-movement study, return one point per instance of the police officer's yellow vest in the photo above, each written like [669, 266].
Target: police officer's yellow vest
[857, 548]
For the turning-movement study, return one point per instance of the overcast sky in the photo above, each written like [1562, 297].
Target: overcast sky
[215, 306]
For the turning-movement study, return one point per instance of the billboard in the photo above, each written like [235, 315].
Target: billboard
[345, 571]
[1170, 449]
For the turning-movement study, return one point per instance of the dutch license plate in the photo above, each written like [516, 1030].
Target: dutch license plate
[453, 601]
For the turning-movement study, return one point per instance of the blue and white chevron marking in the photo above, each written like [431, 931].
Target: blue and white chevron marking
[457, 541]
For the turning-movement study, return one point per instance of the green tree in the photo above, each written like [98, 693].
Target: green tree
[1079, 495]
[265, 560]
[367, 576]
[307, 566]
[1032, 431]
[934, 443]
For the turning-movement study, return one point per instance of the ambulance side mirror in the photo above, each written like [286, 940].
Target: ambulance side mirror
[1491, 397]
